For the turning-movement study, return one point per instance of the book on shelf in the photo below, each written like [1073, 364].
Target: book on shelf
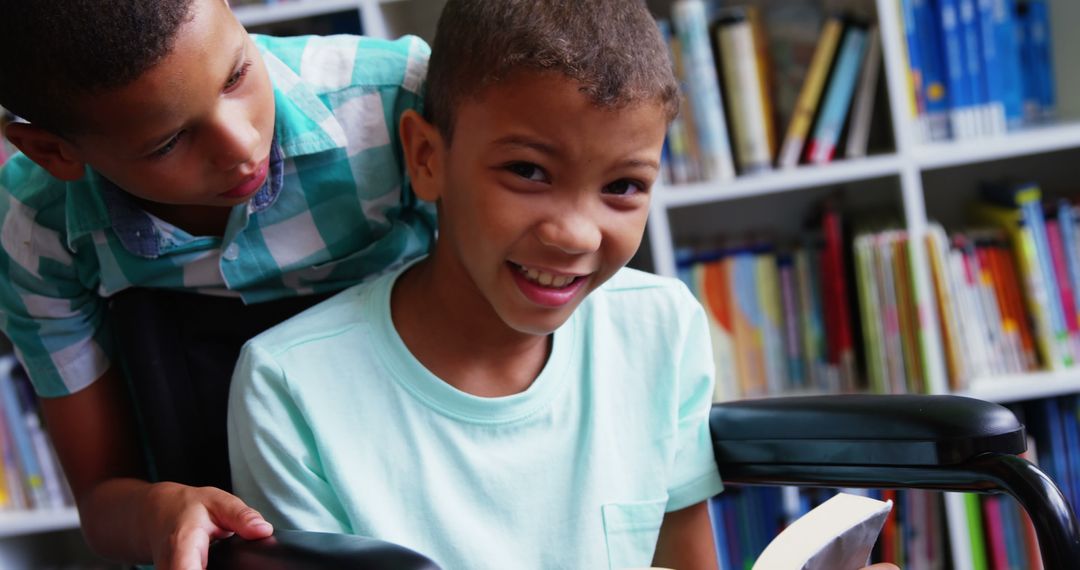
[830, 113]
[779, 313]
[836, 102]
[862, 112]
[978, 68]
[739, 42]
[32, 478]
[802, 116]
[690, 25]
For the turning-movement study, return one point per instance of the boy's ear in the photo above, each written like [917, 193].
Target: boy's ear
[424, 155]
[49, 151]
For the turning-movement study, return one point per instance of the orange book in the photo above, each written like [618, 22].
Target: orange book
[1010, 282]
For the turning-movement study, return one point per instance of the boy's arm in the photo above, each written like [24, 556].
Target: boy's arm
[123, 516]
[275, 460]
[686, 540]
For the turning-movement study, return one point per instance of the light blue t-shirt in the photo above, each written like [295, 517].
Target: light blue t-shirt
[334, 426]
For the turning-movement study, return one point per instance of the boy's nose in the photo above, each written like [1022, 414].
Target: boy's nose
[237, 142]
[572, 233]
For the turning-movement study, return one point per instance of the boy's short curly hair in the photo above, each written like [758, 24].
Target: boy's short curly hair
[611, 47]
[54, 51]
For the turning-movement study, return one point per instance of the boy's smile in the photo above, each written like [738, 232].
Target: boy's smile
[542, 197]
[194, 130]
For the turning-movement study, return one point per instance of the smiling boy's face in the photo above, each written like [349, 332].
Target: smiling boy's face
[195, 129]
[543, 196]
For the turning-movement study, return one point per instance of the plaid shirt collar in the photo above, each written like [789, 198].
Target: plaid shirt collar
[303, 125]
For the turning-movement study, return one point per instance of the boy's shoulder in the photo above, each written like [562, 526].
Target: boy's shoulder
[635, 294]
[332, 63]
[629, 283]
[30, 185]
[341, 314]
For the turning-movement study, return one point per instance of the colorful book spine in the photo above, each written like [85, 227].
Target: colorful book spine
[689, 20]
[863, 111]
[742, 76]
[837, 102]
[810, 94]
[32, 478]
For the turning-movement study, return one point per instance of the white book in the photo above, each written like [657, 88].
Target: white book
[837, 535]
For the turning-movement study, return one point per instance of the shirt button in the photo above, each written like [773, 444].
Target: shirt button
[231, 252]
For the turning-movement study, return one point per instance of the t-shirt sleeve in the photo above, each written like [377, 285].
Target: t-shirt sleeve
[275, 463]
[695, 475]
[54, 320]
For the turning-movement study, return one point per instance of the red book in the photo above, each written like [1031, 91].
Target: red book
[833, 276]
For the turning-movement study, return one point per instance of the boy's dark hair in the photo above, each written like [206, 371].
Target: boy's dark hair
[52, 51]
[611, 47]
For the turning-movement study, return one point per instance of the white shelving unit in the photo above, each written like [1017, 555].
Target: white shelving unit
[259, 14]
[16, 523]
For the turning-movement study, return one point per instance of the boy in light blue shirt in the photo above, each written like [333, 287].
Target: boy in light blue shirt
[518, 399]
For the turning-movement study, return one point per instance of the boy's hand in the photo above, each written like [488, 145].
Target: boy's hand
[183, 521]
[882, 566]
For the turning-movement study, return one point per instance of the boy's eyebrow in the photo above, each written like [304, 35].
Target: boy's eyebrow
[526, 142]
[552, 150]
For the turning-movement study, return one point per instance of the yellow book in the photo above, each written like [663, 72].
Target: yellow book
[810, 95]
[1035, 291]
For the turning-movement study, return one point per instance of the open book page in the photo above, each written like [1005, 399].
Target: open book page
[837, 535]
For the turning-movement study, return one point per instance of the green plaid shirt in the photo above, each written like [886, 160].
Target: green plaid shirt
[336, 209]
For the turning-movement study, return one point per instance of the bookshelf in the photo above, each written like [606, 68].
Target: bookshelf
[917, 183]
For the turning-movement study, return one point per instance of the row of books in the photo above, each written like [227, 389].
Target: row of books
[1008, 293]
[30, 475]
[733, 74]
[978, 67]
[780, 318]
[745, 519]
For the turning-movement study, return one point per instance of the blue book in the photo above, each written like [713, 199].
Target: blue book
[720, 530]
[1071, 427]
[961, 98]
[993, 67]
[1067, 222]
[934, 72]
[1055, 432]
[821, 147]
[912, 27]
[690, 22]
[1003, 14]
[1039, 34]
[973, 65]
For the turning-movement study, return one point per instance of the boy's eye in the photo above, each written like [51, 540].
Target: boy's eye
[235, 78]
[168, 147]
[528, 171]
[624, 188]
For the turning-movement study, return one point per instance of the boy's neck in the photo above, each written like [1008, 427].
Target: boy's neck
[195, 220]
[460, 339]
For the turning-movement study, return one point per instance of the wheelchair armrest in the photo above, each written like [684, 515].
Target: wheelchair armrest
[296, 550]
[862, 430]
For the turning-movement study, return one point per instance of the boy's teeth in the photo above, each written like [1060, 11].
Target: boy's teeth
[546, 279]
